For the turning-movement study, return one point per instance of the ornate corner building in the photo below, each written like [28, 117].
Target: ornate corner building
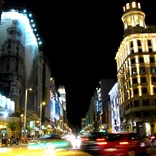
[136, 72]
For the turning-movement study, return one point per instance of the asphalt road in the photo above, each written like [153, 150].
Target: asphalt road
[23, 151]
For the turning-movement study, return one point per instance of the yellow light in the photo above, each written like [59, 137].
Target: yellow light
[43, 103]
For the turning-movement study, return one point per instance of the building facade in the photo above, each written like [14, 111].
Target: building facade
[114, 115]
[136, 72]
[21, 63]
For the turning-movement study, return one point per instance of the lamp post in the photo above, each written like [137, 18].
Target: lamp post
[25, 112]
[21, 125]
[41, 105]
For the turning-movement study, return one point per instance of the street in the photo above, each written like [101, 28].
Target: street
[23, 151]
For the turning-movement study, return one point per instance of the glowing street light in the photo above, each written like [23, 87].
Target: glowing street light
[25, 111]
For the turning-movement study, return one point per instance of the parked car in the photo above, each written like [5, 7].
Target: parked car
[125, 144]
[49, 141]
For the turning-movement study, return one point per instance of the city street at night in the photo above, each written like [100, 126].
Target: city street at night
[77, 78]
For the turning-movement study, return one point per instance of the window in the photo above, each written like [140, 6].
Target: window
[139, 50]
[135, 81]
[153, 79]
[150, 50]
[8, 68]
[154, 89]
[149, 43]
[141, 59]
[137, 114]
[136, 103]
[16, 69]
[139, 43]
[145, 102]
[151, 59]
[134, 71]
[132, 61]
[143, 80]
[131, 44]
[146, 114]
[144, 90]
[132, 51]
[142, 70]
[153, 70]
[135, 91]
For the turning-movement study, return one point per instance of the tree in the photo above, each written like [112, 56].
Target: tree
[13, 126]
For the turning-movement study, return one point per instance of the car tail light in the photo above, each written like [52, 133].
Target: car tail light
[100, 139]
[84, 139]
[123, 143]
[152, 137]
[101, 143]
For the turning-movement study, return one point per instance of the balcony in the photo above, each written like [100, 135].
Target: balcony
[140, 108]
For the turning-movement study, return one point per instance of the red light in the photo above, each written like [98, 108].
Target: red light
[123, 143]
[102, 143]
[100, 139]
[152, 137]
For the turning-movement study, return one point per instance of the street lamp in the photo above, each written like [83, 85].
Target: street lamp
[21, 125]
[41, 104]
[25, 112]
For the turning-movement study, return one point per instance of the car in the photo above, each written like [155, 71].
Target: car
[89, 142]
[125, 144]
[153, 139]
[49, 141]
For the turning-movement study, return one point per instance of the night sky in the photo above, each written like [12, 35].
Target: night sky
[80, 40]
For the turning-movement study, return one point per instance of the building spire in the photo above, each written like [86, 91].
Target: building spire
[133, 16]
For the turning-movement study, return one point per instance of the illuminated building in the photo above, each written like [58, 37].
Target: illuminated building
[102, 103]
[136, 72]
[114, 116]
[20, 61]
[62, 96]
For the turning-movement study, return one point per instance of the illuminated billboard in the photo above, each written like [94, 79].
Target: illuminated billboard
[6, 105]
